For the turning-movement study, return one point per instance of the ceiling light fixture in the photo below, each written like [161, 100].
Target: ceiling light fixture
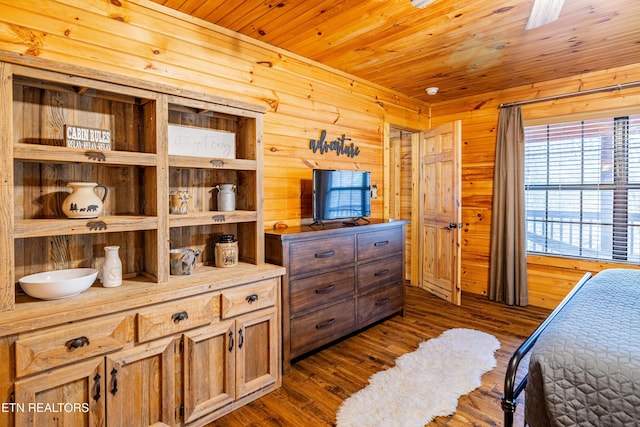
[432, 90]
[421, 3]
[543, 12]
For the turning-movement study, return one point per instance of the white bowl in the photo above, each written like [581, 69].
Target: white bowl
[58, 284]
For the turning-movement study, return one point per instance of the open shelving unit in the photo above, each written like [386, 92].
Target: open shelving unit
[138, 172]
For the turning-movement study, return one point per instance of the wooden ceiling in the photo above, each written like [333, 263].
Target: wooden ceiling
[463, 47]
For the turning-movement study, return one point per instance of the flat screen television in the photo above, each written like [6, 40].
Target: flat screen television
[341, 194]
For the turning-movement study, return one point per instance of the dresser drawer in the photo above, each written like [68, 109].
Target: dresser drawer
[382, 243]
[321, 327]
[176, 316]
[66, 344]
[380, 303]
[314, 255]
[380, 272]
[321, 289]
[244, 299]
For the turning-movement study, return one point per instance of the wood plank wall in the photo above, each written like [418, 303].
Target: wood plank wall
[549, 278]
[143, 40]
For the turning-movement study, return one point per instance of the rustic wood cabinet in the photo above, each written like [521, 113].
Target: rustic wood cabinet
[339, 279]
[160, 349]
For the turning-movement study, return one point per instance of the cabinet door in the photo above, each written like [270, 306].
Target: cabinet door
[257, 351]
[71, 396]
[140, 385]
[209, 369]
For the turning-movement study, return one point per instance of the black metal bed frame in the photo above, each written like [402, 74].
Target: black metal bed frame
[513, 390]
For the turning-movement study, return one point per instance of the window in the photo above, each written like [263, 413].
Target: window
[582, 188]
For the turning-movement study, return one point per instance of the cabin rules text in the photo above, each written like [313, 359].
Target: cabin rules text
[87, 138]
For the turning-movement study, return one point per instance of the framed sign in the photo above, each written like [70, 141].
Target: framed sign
[198, 142]
[87, 138]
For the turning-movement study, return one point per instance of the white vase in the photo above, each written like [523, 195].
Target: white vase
[112, 267]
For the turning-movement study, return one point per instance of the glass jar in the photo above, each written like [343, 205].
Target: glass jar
[226, 252]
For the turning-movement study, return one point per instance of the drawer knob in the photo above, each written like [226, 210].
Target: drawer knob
[382, 302]
[178, 317]
[382, 272]
[383, 243]
[326, 290]
[326, 254]
[326, 324]
[252, 298]
[77, 343]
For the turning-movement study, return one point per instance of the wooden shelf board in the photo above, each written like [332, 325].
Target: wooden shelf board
[108, 224]
[212, 218]
[208, 163]
[54, 153]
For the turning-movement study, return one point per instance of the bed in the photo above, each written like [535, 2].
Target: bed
[584, 359]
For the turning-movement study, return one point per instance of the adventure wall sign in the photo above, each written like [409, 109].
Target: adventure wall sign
[340, 146]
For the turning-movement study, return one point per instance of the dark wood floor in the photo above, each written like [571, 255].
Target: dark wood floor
[317, 384]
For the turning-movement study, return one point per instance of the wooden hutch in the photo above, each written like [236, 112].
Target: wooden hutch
[176, 350]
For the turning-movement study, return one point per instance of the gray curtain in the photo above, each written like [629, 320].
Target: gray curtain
[508, 267]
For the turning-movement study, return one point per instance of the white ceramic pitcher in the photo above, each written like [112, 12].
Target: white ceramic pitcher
[83, 202]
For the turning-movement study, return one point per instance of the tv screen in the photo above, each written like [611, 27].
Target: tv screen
[341, 194]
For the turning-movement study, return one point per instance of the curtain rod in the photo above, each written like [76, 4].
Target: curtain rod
[567, 95]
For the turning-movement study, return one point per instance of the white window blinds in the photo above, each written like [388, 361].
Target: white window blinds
[582, 188]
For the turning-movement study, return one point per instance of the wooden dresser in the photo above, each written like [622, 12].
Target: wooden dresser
[339, 279]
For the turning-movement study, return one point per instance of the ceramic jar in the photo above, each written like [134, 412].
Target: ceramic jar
[226, 252]
[112, 267]
[83, 202]
[226, 197]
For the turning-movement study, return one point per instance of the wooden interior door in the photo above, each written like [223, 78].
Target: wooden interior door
[440, 211]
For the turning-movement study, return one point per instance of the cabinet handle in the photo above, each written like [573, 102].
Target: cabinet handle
[326, 290]
[327, 254]
[383, 243]
[382, 272]
[216, 163]
[231, 343]
[241, 338]
[77, 343]
[382, 302]
[177, 317]
[114, 381]
[326, 324]
[252, 298]
[96, 381]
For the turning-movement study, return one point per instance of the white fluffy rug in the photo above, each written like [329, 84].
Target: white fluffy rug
[423, 384]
